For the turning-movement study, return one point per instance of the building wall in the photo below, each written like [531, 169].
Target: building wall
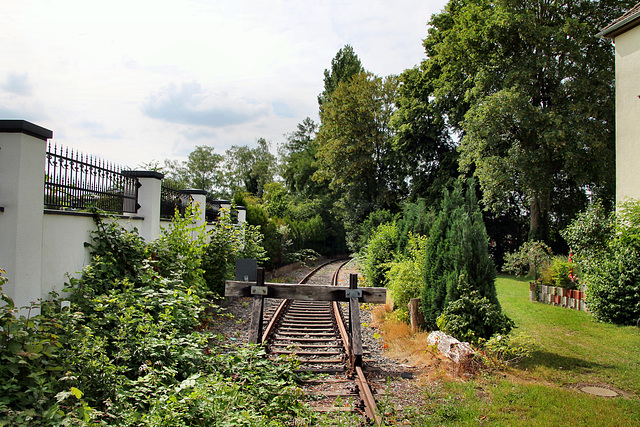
[628, 114]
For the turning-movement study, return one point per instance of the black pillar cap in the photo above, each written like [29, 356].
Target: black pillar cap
[28, 128]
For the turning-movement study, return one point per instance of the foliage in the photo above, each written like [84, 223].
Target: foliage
[457, 245]
[261, 393]
[359, 237]
[379, 252]
[30, 363]
[510, 77]
[562, 273]
[473, 316]
[227, 242]
[297, 158]
[249, 169]
[202, 170]
[502, 350]
[608, 252]
[415, 219]
[590, 232]
[430, 155]
[530, 258]
[355, 155]
[406, 274]
[128, 350]
[344, 66]
[275, 232]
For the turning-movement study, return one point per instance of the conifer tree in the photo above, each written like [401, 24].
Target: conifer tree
[457, 247]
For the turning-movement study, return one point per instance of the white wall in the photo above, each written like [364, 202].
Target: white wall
[37, 247]
[628, 114]
[63, 246]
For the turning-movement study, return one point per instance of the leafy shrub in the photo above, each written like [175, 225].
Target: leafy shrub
[128, 351]
[415, 220]
[227, 242]
[562, 272]
[607, 248]
[378, 253]
[591, 232]
[30, 363]
[360, 237]
[406, 274]
[502, 350]
[472, 316]
[530, 259]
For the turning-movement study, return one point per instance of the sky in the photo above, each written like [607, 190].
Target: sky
[136, 81]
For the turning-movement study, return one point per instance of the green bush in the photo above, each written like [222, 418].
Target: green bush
[530, 259]
[457, 246]
[415, 220]
[562, 272]
[473, 317]
[227, 242]
[406, 275]
[607, 248]
[368, 228]
[128, 350]
[378, 253]
[502, 350]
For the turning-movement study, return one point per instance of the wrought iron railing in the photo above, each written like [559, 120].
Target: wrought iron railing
[77, 181]
[172, 200]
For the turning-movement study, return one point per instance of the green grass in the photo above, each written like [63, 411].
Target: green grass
[573, 346]
[541, 391]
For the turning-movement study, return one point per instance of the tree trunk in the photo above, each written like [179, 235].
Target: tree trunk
[539, 219]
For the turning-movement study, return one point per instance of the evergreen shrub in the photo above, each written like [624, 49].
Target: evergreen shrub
[457, 246]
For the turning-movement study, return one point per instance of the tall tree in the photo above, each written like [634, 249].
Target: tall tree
[422, 138]
[297, 156]
[249, 168]
[202, 171]
[529, 88]
[354, 150]
[344, 66]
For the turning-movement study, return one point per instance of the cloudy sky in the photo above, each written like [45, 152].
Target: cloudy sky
[135, 81]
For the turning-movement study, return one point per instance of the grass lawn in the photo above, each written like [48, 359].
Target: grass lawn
[573, 350]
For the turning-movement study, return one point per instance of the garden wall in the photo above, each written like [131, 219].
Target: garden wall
[555, 295]
[38, 246]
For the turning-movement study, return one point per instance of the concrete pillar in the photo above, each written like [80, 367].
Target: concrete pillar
[149, 195]
[22, 165]
[199, 199]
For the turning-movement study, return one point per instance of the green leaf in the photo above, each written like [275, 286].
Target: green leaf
[76, 392]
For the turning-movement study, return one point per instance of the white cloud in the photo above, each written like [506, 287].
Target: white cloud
[18, 83]
[133, 81]
[189, 103]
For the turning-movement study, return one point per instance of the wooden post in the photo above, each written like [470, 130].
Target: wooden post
[255, 332]
[354, 324]
[415, 315]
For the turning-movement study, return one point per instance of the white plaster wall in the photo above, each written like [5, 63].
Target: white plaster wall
[63, 249]
[628, 115]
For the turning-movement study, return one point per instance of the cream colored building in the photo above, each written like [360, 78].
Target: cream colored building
[625, 33]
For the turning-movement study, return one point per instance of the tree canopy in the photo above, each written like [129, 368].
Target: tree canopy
[355, 155]
[529, 88]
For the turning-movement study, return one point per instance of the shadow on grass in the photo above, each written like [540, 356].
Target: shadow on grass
[555, 361]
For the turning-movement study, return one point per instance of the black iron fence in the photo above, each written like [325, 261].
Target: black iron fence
[77, 181]
[172, 200]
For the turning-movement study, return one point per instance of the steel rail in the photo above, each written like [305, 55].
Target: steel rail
[362, 385]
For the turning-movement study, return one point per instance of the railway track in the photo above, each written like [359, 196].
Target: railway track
[317, 333]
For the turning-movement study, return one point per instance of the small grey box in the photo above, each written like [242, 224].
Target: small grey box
[246, 270]
[353, 293]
